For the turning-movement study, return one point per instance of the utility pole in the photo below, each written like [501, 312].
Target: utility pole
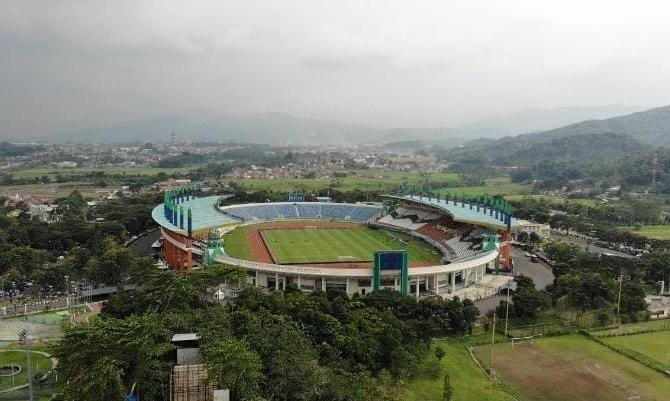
[618, 302]
[24, 340]
[67, 293]
[493, 341]
[507, 312]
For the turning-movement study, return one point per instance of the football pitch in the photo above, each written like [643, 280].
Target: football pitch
[327, 245]
[573, 367]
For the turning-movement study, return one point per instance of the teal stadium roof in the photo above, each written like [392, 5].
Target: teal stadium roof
[461, 212]
[204, 213]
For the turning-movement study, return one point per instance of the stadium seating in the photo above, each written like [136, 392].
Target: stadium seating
[306, 210]
[401, 223]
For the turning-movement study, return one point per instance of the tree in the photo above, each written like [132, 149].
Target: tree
[233, 365]
[448, 390]
[632, 298]
[112, 266]
[121, 352]
[439, 353]
[103, 379]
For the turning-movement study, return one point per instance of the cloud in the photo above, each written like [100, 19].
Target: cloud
[391, 62]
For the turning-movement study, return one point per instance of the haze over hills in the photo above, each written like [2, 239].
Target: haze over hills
[646, 128]
[594, 149]
[285, 128]
[650, 127]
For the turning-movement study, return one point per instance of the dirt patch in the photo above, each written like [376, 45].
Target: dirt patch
[543, 376]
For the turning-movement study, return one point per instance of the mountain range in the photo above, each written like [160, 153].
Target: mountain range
[277, 128]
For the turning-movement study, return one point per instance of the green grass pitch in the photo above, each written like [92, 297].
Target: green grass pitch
[323, 245]
[655, 346]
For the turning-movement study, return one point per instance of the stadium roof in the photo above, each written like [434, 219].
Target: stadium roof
[203, 210]
[458, 212]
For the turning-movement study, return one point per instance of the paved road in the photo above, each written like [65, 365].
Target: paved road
[539, 272]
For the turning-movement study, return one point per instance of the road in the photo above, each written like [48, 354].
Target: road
[539, 272]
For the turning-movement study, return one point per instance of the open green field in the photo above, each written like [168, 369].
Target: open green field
[363, 180]
[129, 171]
[555, 200]
[39, 364]
[323, 245]
[655, 346]
[57, 190]
[470, 383]
[661, 232]
[492, 186]
[573, 368]
[632, 328]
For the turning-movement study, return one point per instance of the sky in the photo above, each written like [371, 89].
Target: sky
[67, 64]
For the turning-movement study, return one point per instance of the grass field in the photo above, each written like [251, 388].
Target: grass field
[555, 200]
[632, 328]
[324, 245]
[363, 180]
[57, 190]
[492, 186]
[470, 383]
[654, 345]
[661, 232]
[573, 368]
[129, 171]
[38, 362]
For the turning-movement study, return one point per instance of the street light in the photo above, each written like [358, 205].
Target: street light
[25, 341]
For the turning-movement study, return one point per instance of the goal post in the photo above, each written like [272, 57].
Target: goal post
[523, 340]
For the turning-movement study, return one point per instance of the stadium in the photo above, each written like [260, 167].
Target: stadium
[416, 244]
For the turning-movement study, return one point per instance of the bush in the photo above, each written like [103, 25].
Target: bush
[433, 368]
[448, 391]
[603, 318]
[439, 353]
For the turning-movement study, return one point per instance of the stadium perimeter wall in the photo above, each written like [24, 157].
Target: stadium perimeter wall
[443, 280]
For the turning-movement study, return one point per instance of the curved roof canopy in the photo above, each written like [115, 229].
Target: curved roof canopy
[462, 211]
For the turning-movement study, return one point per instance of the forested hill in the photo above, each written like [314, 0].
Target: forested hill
[650, 127]
[591, 140]
[615, 151]
[511, 152]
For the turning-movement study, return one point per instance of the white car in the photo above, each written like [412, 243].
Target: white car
[527, 254]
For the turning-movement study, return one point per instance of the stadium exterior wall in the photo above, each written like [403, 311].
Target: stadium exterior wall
[430, 280]
[182, 252]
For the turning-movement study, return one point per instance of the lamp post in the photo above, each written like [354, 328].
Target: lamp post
[25, 341]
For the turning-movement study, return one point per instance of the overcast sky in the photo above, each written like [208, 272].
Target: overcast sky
[391, 63]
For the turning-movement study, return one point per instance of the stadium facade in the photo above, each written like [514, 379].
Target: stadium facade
[472, 234]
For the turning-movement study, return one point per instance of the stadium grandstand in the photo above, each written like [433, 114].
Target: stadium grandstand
[470, 238]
